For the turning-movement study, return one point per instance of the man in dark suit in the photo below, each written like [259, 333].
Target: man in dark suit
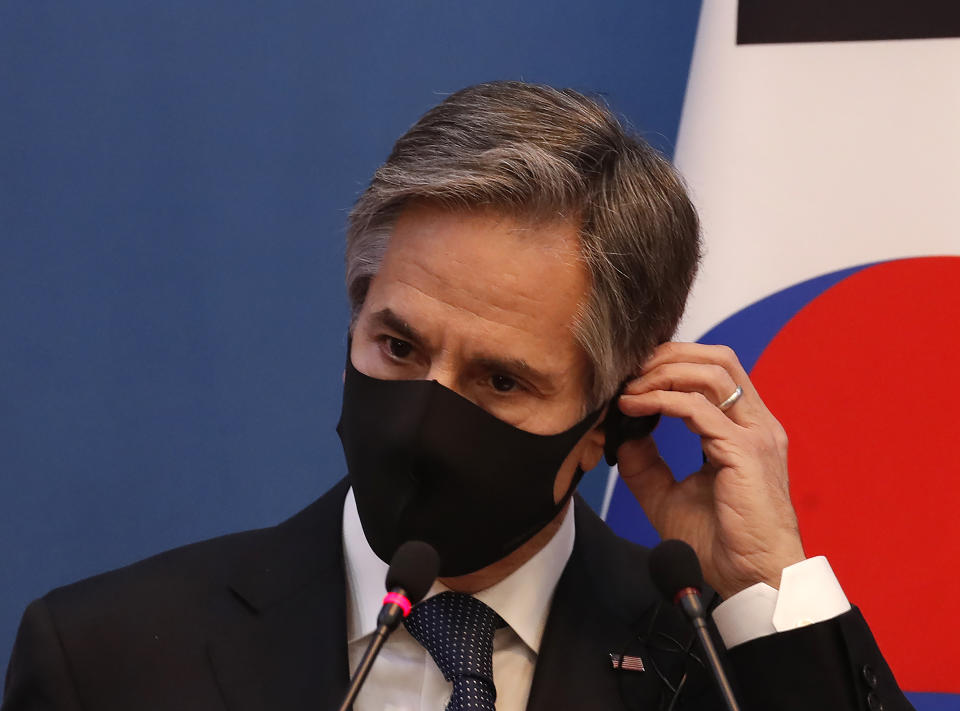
[512, 268]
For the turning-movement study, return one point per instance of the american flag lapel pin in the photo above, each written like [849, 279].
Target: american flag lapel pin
[624, 662]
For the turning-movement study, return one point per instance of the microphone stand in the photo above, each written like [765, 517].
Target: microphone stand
[373, 649]
[413, 568]
[689, 599]
[387, 621]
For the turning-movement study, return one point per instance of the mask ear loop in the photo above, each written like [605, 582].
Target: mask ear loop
[578, 475]
[620, 428]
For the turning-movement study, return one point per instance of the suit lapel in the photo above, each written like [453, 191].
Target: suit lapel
[599, 607]
[289, 649]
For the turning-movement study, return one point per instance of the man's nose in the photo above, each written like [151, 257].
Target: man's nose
[451, 375]
[446, 374]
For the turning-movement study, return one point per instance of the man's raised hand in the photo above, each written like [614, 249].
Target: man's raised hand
[736, 510]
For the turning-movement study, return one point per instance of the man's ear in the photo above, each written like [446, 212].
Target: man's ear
[593, 443]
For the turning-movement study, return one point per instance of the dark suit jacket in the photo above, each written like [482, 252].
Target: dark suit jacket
[256, 622]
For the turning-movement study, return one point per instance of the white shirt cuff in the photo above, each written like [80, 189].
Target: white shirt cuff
[809, 592]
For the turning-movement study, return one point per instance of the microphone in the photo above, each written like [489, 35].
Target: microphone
[676, 572]
[412, 571]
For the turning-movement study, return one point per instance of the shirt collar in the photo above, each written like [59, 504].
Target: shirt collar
[522, 599]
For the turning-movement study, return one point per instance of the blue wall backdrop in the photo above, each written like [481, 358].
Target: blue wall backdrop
[174, 181]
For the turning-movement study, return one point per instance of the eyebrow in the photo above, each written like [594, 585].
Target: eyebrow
[390, 319]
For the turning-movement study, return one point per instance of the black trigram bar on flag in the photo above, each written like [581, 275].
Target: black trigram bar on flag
[762, 21]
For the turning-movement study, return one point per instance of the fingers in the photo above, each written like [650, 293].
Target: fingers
[713, 371]
[722, 356]
[753, 456]
[709, 379]
[700, 415]
[646, 475]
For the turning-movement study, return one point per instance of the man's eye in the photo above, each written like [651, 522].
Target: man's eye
[503, 383]
[397, 348]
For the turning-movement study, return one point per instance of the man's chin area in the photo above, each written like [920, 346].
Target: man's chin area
[495, 572]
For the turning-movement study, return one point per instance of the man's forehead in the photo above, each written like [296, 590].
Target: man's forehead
[514, 255]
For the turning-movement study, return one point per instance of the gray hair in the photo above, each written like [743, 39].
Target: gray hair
[536, 151]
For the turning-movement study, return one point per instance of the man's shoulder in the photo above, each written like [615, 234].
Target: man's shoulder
[598, 539]
[167, 574]
[611, 570]
[193, 580]
[618, 565]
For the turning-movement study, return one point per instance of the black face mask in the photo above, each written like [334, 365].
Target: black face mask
[427, 464]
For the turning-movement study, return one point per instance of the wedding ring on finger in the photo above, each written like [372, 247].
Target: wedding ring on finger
[732, 400]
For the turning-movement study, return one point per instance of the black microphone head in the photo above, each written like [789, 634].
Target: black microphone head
[673, 567]
[413, 567]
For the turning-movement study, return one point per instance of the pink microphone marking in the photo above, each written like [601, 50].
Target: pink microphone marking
[683, 592]
[398, 599]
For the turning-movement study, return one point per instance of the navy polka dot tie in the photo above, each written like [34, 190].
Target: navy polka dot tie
[457, 630]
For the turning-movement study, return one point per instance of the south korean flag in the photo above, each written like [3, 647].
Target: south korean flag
[821, 143]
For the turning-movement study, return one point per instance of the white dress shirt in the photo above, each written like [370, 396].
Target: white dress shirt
[405, 678]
